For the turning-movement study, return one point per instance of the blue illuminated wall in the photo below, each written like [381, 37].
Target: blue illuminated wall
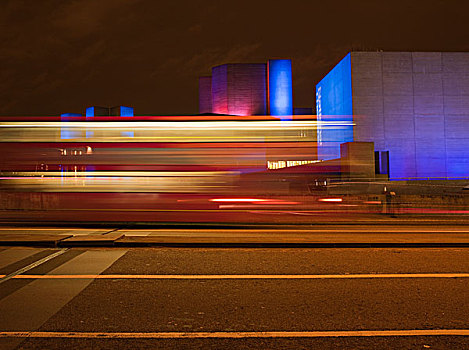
[280, 88]
[126, 111]
[333, 107]
[89, 112]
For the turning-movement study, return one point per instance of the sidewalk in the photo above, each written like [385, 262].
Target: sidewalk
[316, 237]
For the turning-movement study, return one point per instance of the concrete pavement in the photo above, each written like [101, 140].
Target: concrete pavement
[301, 236]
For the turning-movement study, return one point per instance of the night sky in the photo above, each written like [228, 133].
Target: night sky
[60, 56]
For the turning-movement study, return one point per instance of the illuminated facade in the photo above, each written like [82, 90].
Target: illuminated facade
[118, 111]
[245, 89]
[280, 88]
[239, 89]
[413, 104]
[333, 104]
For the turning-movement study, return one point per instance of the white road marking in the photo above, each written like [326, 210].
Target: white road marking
[235, 335]
[216, 277]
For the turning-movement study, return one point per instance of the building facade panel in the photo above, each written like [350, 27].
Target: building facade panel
[399, 126]
[402, 156]
[430, 167]
[397, 84]
[430, 157]
[426, 62]
[246, 83]
[456, 84]
[367, 105]
[397, 62]
[457, 148]
[367, 85]
[457, 167]
[456, 105]
[429, 127]
[367, 75]
[427, 84]
[220, 89]
[364, 62]
[428, 105]
[457, 157]
[457, 62]
[369, 129]
[457, 127]
[403, 104]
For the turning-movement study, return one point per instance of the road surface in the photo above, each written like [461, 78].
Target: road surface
[212, 298]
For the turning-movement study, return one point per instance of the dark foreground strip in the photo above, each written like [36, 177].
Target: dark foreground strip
[234, 335]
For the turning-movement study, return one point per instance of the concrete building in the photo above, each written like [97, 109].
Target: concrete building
[248, 89]
[239, 89]
[413, 104]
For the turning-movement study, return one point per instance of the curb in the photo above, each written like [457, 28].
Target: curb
[136, 244]
[291, 245]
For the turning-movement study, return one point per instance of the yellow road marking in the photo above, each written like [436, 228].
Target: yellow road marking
[305, 334]
[215, 277]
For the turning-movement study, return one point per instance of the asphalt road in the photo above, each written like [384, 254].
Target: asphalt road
[171, 298]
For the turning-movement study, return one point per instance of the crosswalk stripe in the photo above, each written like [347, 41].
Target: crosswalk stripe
[33, 265]
[33, 304]
[13, 255]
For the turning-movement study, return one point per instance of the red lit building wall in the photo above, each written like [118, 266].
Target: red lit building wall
[239, 89]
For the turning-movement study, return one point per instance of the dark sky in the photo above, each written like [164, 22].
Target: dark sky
[61, 56]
